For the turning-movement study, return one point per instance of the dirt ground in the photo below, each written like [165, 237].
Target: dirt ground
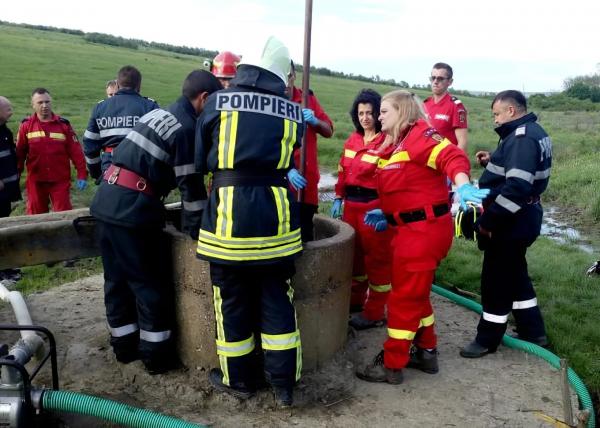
[507, 388]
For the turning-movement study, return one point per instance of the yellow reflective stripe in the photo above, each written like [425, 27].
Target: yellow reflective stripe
[427, 321]
[283, 209]
[436, 151]
[401, 334]
[384, 288]
[227, 139]
[235, 349]
[349, 153]
[370, 158]
[254, 254]
[218, 302]
[280, 342]
[287, 143]
[359, 278]
[396, 157]
[36, 134]
[290, 294]
[58, 136]
[254, 242]
[225, 212]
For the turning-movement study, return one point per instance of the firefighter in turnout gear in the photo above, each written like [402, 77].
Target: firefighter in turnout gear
[112, 119]
[411, 184]
[250, 230]
[156, 156]
[517, 173]
[357, 188]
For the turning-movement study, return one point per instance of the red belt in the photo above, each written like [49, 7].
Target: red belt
[129, 179]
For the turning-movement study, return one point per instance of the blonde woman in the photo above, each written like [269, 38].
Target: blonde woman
[414, 201]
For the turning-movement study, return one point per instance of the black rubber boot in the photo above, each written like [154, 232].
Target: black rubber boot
[475, 350]
[215, 376]
[377, 372]
[359, 322]
[424, 360]
[284, 396]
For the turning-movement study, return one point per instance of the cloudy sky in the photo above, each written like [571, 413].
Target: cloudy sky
[529, 45]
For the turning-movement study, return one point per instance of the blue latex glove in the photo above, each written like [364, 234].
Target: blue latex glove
[376, 219]
[81, 184]
[298, 182]
[309, 116]
[336, 208]
[469, 193]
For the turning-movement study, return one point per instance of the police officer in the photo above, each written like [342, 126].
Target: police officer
[156, 156]
[250, 230]
[113, 118]
[517, 173]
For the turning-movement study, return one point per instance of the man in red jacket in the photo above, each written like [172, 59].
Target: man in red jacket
[47, 144]
[317, 122]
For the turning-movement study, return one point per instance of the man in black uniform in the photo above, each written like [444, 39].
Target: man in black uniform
[9, 177]
[250, 230]
[156, 156]
[113, 118]
[517, 173]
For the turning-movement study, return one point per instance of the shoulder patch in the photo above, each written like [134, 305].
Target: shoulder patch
[456, 100]
[63, 120]
[453, 98]
[150, 99]
[521, 131]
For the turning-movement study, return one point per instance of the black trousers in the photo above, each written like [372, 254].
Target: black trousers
[4, 207]
[138, 292]
[254, 308]
[506, 287]
[307, 212]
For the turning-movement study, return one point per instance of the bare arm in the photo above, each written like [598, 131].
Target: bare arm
[461, 137]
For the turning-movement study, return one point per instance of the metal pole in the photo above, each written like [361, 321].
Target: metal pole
[305, 82]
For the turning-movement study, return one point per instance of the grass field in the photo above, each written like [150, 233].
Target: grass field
[75, 72]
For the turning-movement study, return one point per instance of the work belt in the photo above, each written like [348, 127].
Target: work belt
[129, 179]
[417, 215]
[360, 194]
[225, 178]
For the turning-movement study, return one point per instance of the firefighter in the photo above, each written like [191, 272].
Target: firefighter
[112, 119]
[156, 156]
[9, 177]
[517, 173]
[224, 66]
[356, 188]
[414, 201]
[317, 122]
[48, 144]
[250, 230]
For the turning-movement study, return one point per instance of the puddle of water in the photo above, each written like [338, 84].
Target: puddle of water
[562, 232]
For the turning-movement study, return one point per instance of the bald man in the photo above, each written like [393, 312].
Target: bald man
[9, 178]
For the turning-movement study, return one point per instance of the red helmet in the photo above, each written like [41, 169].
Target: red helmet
[224, 65]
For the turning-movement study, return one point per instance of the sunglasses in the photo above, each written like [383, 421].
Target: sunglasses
[438, 78]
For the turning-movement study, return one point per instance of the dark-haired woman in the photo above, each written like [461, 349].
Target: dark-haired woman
[356, 188]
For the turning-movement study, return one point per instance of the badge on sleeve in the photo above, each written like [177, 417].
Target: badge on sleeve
[462, 116]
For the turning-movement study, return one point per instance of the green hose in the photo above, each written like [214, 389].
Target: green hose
[112, 411]
[585, 400]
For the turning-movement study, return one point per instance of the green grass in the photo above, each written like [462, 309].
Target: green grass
[75, 72]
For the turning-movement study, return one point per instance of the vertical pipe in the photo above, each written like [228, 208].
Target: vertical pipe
[305, 81]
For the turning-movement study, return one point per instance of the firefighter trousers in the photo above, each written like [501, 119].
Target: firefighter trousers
[251, 301]
[138, 293]
[41, 193]
[418, 249]
[506, 287]
[372, 268]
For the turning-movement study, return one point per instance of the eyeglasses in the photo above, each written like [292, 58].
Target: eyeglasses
[438, 78]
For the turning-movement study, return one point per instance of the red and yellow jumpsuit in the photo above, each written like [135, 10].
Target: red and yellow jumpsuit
[414, 196]
[357, 185]
[48, 148]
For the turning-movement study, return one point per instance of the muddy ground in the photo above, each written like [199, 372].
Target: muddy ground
[508, 388]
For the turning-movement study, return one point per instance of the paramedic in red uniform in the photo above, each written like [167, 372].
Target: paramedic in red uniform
[411, 184]
[47, 144]
[317, 123]
[356, 188]
[447, 114]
